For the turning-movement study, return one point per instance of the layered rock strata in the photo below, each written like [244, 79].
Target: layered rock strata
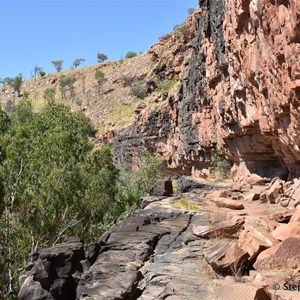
[239, 89]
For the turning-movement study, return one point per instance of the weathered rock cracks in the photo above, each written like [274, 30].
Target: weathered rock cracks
[239, 89]
[160, 252]
[151, 255]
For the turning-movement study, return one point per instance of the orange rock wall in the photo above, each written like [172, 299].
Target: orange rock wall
[239, 89]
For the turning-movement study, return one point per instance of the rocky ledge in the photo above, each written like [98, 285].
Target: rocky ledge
[151, 255]
[225, 241]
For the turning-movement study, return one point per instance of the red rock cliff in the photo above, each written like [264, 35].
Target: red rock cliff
[240, 88]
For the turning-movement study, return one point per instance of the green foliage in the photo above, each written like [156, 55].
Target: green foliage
[77, 62]
[9, 106]
[78, 102]
[67, 83]
[166, 85]
[149, 172]
[15, 83]
[49, 94]
[42, 73]
[130, 54]
[100, 77]
[25, 95]
[101, 57]
[57, 65]
[138, 89]
[53, 184]
[219, 164]
[128, 80]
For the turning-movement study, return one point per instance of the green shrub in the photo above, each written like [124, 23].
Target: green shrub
[138, 89]
[42, 73]
[49, 94]
[78, 102]
[130, 54]
[128, 80]
[166, 86]
[219, 164]
[149, 172]
[9, 106]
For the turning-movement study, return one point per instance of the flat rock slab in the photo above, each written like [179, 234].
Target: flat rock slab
[239, 291]
[228, 203]
[221, 229]
[151, 255]
[284, 256]
[284, 231]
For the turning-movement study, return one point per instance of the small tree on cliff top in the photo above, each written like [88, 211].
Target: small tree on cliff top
[57, 65]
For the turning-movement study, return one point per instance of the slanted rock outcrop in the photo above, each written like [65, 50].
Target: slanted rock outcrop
[150, 255]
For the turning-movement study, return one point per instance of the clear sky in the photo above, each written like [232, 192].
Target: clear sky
[34, 33]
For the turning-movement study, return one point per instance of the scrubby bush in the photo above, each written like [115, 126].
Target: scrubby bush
[49, 94]
[181, 30]
[218, 162]
[149, 172]
[101, 57]
[138, 89]
[130, 54]
[128, 80]
[166, 85]
[42, 73]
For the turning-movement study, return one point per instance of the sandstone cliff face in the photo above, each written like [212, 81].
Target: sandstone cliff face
[239, 89]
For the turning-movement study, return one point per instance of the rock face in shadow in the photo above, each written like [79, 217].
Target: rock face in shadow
[240, 88]
[52, 273]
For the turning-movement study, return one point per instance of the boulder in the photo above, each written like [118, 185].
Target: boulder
[162, 187]
[238, 291]
[252, 197]
[186, 184]
[284, 231]
[50, 272]
[267, 278]
[291, 196]
[271, 193]
[254, 240]
[221, 229]
[228, 203]
[283, 256]
[226, 258]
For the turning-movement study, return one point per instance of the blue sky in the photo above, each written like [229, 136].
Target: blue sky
[38, 32]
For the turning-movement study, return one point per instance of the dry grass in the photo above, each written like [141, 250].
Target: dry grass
[112, 107]
[185, 204]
